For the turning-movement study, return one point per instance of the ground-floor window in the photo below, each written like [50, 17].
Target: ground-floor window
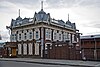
[36, 49]
[25, 49]
[30, 49]
[19, 49]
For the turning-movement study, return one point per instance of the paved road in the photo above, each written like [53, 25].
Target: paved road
[23, 64]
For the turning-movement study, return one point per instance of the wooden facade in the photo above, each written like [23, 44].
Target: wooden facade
[1, 51]
[62, 50]
[90, 46]
[10, 49]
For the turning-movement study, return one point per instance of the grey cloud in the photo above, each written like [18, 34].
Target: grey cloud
[90, 3]
[72, 3]
[51, 3]
[24, 3]
[94, 24]
[61, 3]
[6, 6]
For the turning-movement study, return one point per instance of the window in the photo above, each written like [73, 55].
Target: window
[30, 48]
[37, 34]
[22, 31]
[69, 36]
[47, 33]
[59, 36]
[24, 35]
[30, 35]
[19, 36]
[15, 37]
[27, 30]
[12, 36]
[65, 36]
[16, 32]
[19, 49]
[54, 35]
[73, 37]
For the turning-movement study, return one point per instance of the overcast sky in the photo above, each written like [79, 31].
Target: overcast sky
[85, 13]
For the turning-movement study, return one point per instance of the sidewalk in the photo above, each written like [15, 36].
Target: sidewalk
[55, 62]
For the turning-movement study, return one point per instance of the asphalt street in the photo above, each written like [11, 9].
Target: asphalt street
[24, 64]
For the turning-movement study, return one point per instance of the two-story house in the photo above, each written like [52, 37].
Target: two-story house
[32, 35]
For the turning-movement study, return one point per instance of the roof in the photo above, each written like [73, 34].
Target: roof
[2, 44]
[90, 36]
[20, 21]
[42, 16]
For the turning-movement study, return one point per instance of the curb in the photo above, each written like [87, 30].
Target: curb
[47, 63]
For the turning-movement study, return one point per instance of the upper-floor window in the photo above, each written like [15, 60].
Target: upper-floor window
[27, 30]
[37, 36]
[15, 36]
[66, 36]
[22, 31]
[30, 36]
[24, 35]
[19, 36]
[47, 33]
[54, 35]
[59, 36]
[16, 32]
[73, 37]
[12, 37]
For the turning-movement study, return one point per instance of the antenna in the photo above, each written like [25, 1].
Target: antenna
[19, 12]
[68, 17]
[41, 5]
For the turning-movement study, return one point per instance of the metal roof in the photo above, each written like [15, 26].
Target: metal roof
[90, 36]
[44, 17]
